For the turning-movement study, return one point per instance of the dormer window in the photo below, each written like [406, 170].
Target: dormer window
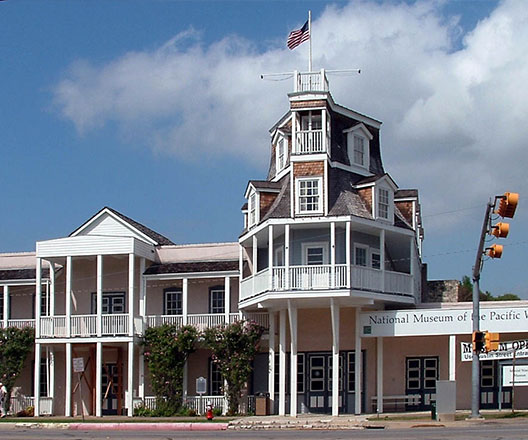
[359, 150]
[281, 154]
[358, 140]
[252, 209]
[383, 203]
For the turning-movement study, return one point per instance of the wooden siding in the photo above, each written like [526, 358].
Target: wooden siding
[366, 196]
[109, 226]
[308, 104]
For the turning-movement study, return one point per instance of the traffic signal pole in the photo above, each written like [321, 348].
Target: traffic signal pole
[475, 366]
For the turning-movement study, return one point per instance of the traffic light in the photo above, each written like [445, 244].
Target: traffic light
[478, 342]
[508, 204]
[494, 251]
[491, 341]
[500, 230]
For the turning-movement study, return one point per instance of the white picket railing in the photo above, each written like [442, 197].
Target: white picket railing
[116, 324]
[198, 403]
[19, 323]
[83, 325]
[206, 320]
[53, 327]
[157, 320]
[366, 278]
[309, 142]
[311, 82]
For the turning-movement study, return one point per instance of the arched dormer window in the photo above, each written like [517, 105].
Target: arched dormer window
[358, 141]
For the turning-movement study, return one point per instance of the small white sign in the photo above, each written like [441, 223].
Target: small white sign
[521, 376]
[201, 385]
[78, 365]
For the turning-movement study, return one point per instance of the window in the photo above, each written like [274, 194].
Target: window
[359, 150]
[309, 196]
[300, 373]
[252, 209]
[383, 203]
[360, 255]
[315, 253]
[375, 259]
[311, 122]
[215, 379]
[351, 371]
[281, 154]
[216, 300]
[113, 303]
[279, 256]
[173, 304]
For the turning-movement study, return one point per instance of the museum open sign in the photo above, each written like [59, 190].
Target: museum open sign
[505, 351]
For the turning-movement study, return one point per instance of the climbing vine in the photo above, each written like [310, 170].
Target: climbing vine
[166, 350]
[234, 347]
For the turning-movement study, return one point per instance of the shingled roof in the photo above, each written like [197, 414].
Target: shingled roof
[192, 267]
[21, 274]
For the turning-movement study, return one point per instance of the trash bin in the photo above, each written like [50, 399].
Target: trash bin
[262, 404]
[433, 409]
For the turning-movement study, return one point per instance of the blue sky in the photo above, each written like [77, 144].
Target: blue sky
[156, 109]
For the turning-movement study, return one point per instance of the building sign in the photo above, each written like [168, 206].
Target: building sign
[201, 385]
[505, 351]
[521, 376]
[78, 365]
[418, 322]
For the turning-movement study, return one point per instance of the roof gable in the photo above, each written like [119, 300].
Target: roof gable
[109, 222]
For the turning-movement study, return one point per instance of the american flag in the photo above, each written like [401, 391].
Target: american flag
[298, 36]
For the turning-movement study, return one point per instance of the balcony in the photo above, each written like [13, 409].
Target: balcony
[326, 277]
[19, 323]
[311, 82]
[310, 142]
[85, 326]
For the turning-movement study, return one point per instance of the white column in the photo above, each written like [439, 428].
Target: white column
[51, 385]
[452, 357]
[270, 256]
[227, 294]
[67, 297]
[141, 376]
[68, 395]
[379, 374]
[185, 300]
[142, 288]
[271, 361]
[185, 384]
[130, 380]
[99, 294]
[6, 305]
[287, 257]
[282, 363]
[358, 365]
[38, 295]
[382, 258]
[332, 254]
[98, 378]
[131, 297]
[292, 314]
[52, 289]
[347, 251]
[241, 261]
[413, 266]
[36, 389]
[254, 262]
[334, 312]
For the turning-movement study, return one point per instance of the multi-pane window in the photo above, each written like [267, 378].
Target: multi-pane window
[216, 300]
[300, 372]
[281, 154]
[215, 379]
[414, 378]
[376, 260]
[351, 371]
[359, 150]
[113, 303]
[309, 195]
[314, 255]
[360, 254]
[173, 302]
[252, 209]
[383, 203]
[487, 374]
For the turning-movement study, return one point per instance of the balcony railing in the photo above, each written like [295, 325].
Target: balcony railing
[19, 323]
[310, 142]
[84, 326]
[316, 277]
[203, 321]
[311, 82]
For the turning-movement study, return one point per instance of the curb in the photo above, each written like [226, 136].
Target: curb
[148, 426]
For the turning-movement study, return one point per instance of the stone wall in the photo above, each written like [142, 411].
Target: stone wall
[441, 291]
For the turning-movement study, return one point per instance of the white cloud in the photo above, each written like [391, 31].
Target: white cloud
[450, 116]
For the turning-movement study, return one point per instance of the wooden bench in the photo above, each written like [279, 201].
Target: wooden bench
[396, 402]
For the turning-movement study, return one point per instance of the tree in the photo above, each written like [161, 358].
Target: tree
[234, 347]
[465, 293]
[166, 350]
[15, 346]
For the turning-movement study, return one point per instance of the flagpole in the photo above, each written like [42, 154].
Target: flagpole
[310, 37]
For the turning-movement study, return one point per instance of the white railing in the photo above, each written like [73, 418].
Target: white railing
[260, 318]
[309, 141]
[279, 278]
[310, 277]
[20, 323]
[311, 82]
[157, 320]
[206, 320]
[198, 403]
[116, 324]
[20, 403]
[53, 326]
[148, 402]
[262, 280]
[83, 325]
[246, 288]
[340, 276]
[397, 282]
[365, 278]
